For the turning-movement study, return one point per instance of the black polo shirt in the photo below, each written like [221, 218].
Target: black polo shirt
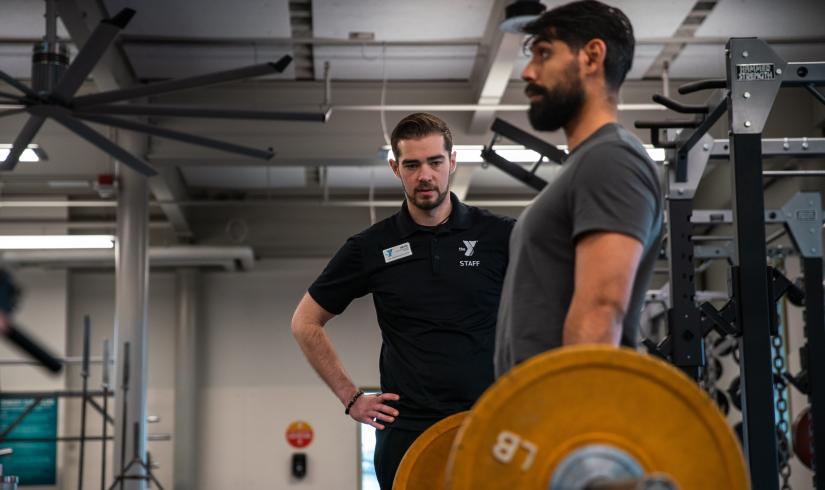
[436, 293]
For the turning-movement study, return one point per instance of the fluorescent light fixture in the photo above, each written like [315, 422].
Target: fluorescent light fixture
[51, 242]
[69, 184]
[656, 154]
[472, 153]
[32, 153]
[516, 153]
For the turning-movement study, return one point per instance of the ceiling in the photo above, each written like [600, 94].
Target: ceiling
[425, 54]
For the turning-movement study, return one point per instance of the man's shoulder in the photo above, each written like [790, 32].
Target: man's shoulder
[625, 153]
[482, 216]
[374, 237]
[617, 143]
[379, 230]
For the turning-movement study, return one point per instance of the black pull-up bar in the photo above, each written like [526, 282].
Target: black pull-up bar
[713, 83]
[513, 169]
[678, 106]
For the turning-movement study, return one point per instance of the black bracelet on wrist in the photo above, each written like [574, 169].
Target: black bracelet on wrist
[352, 400]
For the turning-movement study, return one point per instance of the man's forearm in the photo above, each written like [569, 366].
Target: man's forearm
[320, 353]
[593, 325]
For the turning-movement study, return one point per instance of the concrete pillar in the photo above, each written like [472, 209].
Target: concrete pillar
[131, 296]
[186, 379]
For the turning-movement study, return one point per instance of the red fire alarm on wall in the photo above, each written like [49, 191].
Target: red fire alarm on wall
[299, 434]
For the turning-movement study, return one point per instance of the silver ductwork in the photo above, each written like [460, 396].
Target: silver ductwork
[227, 258]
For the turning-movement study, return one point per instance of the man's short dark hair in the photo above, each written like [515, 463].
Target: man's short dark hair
[577, 23]
[418, 125]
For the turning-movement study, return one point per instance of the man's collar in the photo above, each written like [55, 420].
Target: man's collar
[459, 218]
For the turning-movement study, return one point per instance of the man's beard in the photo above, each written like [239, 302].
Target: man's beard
[557, 106]
[427, 204]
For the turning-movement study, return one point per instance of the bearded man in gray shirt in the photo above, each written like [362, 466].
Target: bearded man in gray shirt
[581, 255]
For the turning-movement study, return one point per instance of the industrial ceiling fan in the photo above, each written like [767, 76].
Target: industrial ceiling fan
[55, 82]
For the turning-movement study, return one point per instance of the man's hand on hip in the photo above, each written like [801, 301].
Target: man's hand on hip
[371, 410]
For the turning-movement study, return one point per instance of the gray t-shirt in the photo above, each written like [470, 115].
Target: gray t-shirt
[608, 184]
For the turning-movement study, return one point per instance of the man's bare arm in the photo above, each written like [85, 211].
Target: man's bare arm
[606, 265]
[308, 329]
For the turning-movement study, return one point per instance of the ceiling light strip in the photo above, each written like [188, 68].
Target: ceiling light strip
[52, 242]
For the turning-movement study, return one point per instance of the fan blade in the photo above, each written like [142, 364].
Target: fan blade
[22, 141]
[11, 112]
[177, 135]
[11, 97]
[182, 83]
[16, 84]
[183, 111]
[91, 52]
[106, 145]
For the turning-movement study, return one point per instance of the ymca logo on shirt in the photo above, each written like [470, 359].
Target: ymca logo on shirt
[469, 249]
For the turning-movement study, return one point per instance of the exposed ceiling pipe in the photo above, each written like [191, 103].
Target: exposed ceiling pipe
[472, 107]
[228, 258]
[71, 225]
[438, 107]
[134, 39]
[352, 203]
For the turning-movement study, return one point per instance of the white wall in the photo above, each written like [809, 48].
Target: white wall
[253, 381]
[256, 381]
[92, 293]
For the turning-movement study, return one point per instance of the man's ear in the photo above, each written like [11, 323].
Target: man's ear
[394, 167]
[453, 162]
[595, 52]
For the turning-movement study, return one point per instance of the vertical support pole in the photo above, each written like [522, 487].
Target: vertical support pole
[666, 78]
[51, 25]
[752, 310]
[327, 86]
[688, 351]
[686, 331]
[753, 80]
[186, 379]
[131, 284]
[104, 455]
[84, 373]
[815, 333]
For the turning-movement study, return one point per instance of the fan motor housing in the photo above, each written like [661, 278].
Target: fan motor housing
[49, 63]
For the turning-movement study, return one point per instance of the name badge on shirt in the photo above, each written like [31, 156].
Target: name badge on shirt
[397, 252]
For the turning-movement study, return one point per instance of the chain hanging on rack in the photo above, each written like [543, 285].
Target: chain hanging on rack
[713, 372]
[779, 392]
[781, 405]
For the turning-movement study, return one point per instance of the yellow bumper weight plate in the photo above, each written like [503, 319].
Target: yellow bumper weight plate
[524, 425]
[425, 462]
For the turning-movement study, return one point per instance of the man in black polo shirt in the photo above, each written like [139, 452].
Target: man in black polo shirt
[435, 271]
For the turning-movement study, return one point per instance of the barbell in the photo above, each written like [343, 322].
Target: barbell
[582, 417]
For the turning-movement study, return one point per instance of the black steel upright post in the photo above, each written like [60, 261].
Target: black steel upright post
[687, 339]
[106, 386]
[752, 313]
[84, 373]
[815, 333]
[125, 388]
[683, 316]
[753, 83]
